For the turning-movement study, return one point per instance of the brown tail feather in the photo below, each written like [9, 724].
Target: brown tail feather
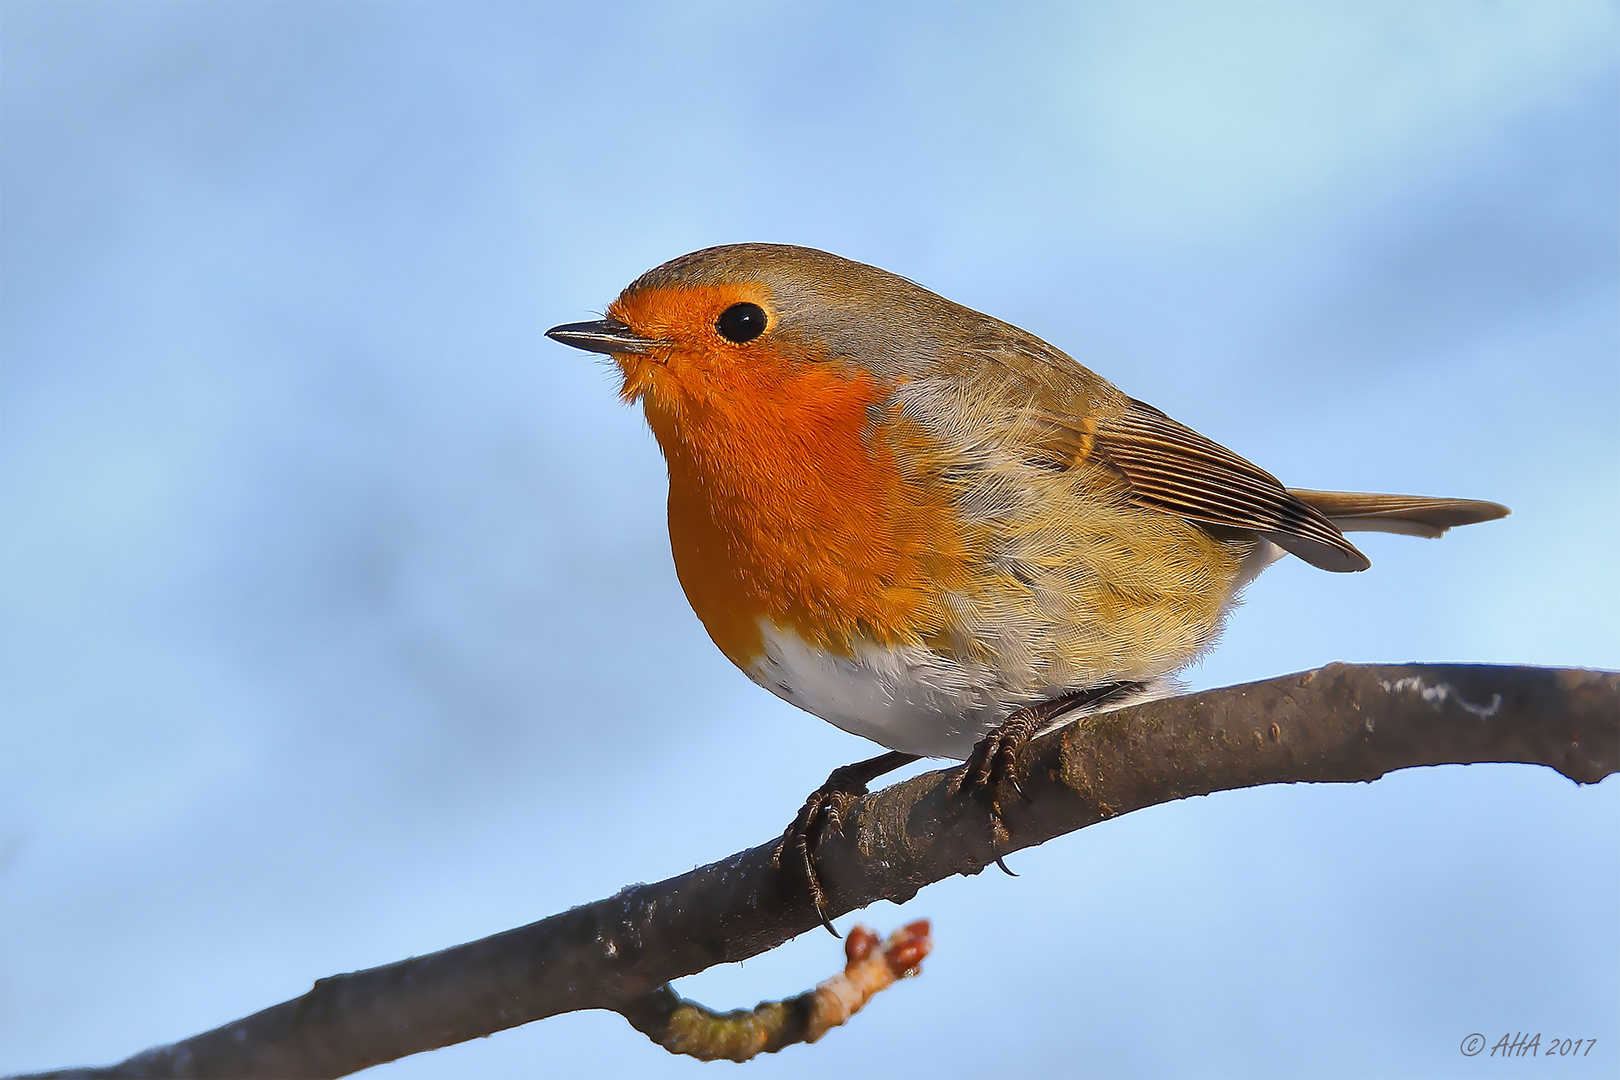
[1413, 515]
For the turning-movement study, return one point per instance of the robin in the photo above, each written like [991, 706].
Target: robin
[932, 528]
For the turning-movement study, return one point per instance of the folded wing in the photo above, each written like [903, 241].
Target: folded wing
[1171, 467]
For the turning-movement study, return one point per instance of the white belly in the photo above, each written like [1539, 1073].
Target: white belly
[906, 698]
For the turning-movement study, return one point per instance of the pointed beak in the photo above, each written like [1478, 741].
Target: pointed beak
[603, 336]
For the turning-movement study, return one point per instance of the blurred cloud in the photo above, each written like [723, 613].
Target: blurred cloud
[1205, 117]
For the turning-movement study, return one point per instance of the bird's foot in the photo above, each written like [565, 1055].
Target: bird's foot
[994, 761]
[825, 808]
[993, 764]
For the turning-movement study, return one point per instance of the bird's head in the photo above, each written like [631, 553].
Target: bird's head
[725, 320]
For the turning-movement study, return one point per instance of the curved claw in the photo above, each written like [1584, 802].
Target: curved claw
[818, 898]
[808, 824]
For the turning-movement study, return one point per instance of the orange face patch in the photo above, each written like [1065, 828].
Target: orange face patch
[695, 354]
[787, 500]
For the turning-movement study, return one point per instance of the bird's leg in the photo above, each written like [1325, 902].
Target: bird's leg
[824, 807]
[994, 760]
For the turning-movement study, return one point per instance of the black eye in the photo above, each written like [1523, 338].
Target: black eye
[741, 322]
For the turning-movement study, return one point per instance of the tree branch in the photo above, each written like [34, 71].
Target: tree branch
[1341, 723]
[685, 1027]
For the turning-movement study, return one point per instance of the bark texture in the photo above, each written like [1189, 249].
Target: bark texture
[1340, 723]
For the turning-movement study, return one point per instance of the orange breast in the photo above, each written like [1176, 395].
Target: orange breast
[791, 498]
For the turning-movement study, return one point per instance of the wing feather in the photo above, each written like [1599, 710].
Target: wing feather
[1171, 467]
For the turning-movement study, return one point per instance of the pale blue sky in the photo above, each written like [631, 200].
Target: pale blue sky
[337, 620]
